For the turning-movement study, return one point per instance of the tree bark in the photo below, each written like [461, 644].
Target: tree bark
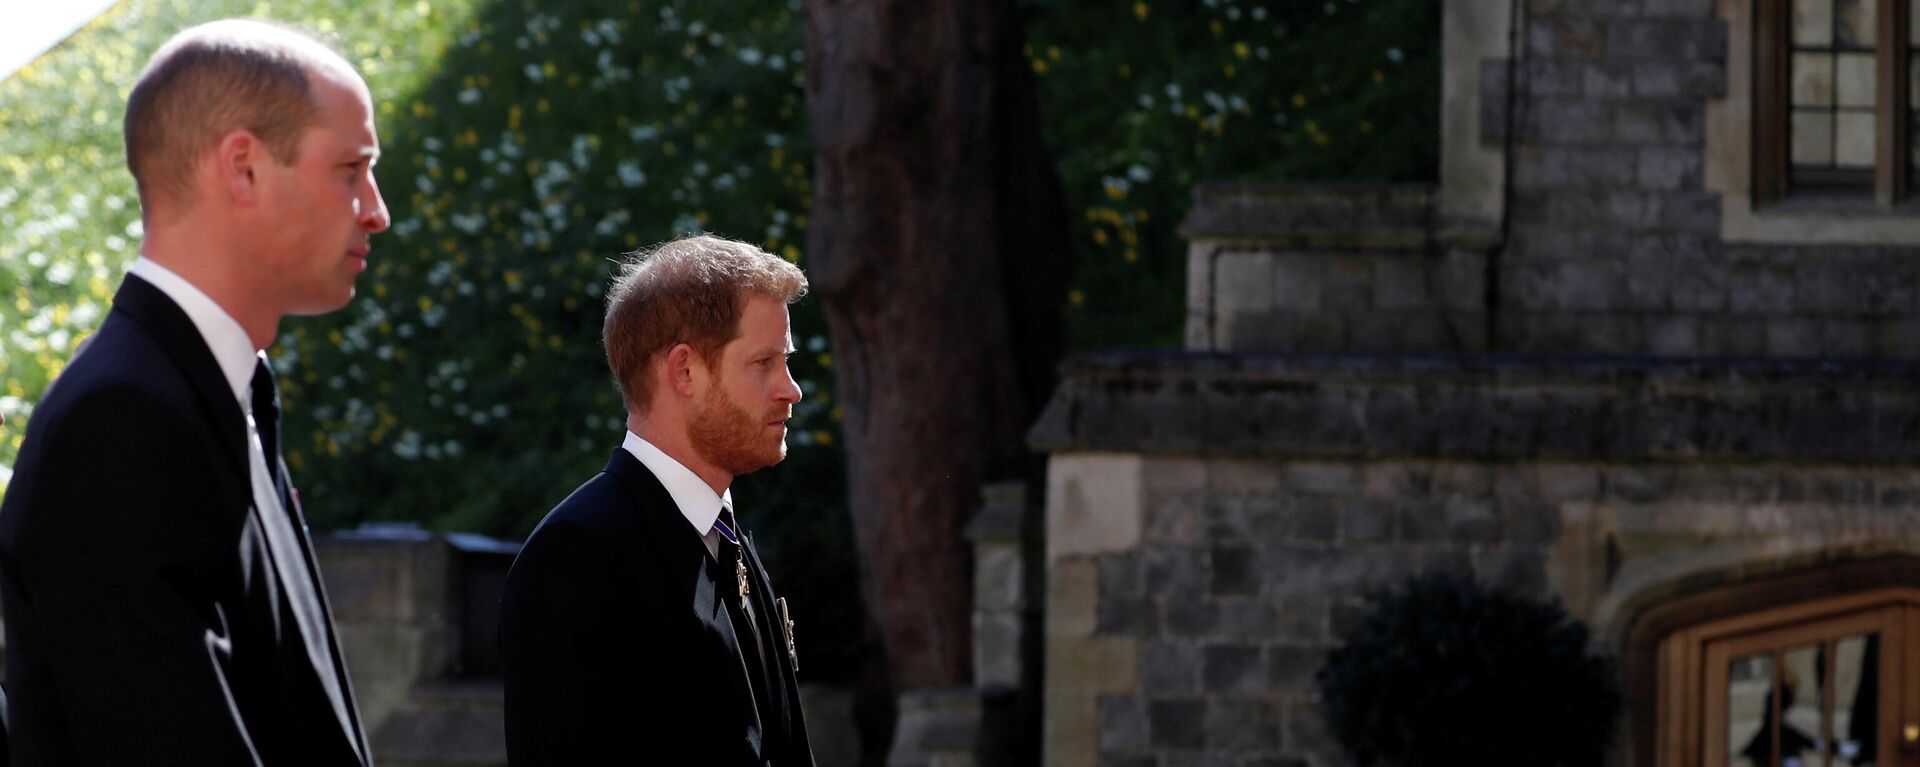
[939, 244]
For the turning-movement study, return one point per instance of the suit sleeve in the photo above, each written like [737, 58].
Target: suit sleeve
[563, 652]
[127, 558]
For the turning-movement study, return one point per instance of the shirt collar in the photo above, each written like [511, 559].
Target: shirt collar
[693, 495]
[221, 332]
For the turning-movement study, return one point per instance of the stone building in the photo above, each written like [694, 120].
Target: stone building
[1649, 347]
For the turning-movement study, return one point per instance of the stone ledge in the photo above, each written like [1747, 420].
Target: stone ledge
[1322, 216]
[1483, 407]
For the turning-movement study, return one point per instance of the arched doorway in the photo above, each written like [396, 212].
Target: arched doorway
[1815, 669]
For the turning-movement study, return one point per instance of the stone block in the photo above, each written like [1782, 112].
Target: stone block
[1684, 9]
[1607, 80]
[1698, 286]
[1758, 289]
[1238, 726]
[1349, 283]
[1252, 331]
[1078, 671]
[1369, 520]
[1320, 332]
[1899, 339]
[1177, 723]
[1125, 616]
[1562, 167]
[1401, 283]
[936, 728]
[997, 643]
[1820, 288]
[1235, 571]
[1565, 121]
[1462, 280]
[1119, 575]
[1253, 618]
[1416, 521]
[1123, 723]
[1471, 519]
[1317, 522]
[999, 577]
[1697, 213]
[1666, 168]
[1735, 336]
[1243, 283]
[1242, 476]
[1660, 123]
[1793, 337]
[1176, 573]
[1189, 618]
[1520, 570]
[1306, 730]
[1675, 336]
[1549, 77]
[1298, 282]
[1232, 668]
[1291, 668]
[1528, 522]
[1846, 338]
[1178, 759]
[1302, 618]
[1072, 598]
[1174, 518]
[1702, 39]
[1093, 503]
[1575, 38]
[1169, 667]
[1322, 477]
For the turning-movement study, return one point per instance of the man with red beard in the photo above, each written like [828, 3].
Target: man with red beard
[638, 619]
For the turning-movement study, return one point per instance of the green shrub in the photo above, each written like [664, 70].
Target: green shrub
[527, 144]
[1444, 672]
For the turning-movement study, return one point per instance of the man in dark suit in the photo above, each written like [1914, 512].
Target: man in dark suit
[162, 602]
[638, 621]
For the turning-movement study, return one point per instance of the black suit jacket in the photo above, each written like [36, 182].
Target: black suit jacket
[618, 642]
[145, 622]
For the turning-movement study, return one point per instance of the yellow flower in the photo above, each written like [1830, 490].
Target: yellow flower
[1140, 11]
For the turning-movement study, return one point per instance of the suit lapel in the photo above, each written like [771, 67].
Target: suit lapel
[152, 310]
[687, 563]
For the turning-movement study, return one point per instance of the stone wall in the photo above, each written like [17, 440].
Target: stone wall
[1619, 243]
[1200, 567]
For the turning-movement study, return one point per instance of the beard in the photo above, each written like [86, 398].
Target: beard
[731, 438]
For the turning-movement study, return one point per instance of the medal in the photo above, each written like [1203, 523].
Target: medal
[786, 623]
[740, 575]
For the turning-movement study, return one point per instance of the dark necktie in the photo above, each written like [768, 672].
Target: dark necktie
[733, 559]
[284, 544]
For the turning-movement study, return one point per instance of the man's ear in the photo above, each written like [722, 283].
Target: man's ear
[681, 362]
[235, 161]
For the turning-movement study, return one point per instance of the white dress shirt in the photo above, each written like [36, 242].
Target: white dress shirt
[221, 332]
[693, 495]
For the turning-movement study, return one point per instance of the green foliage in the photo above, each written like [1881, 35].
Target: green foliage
[528, 144]
[1443, 672]
[1144, 99]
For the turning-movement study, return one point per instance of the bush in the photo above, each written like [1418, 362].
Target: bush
[1443, 672]
[527, 143]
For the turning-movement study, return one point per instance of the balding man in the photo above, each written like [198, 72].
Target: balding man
[162, 602]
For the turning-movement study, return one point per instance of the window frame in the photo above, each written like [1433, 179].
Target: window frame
[1773, 107]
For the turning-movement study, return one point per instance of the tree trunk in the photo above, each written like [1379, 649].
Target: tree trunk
[939, 244]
